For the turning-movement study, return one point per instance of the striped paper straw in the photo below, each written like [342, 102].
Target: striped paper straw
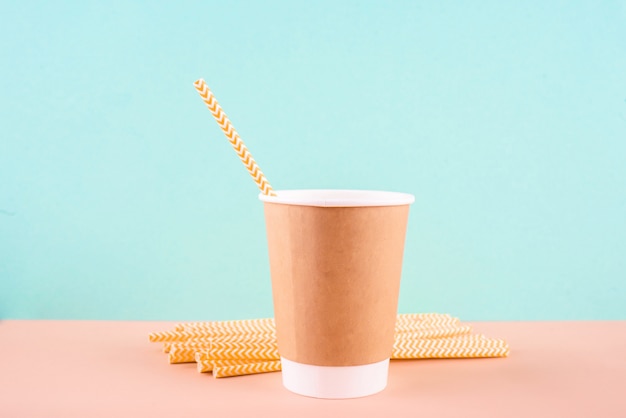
[209, 332]
[449, 348]
[433, 332]
[222, 363]
[233, 137]
[246, 369]
[197, 345]
[168, 336]
[455, 352]
[254, 338]
[233, 348]
[237, 330]
[206, 364]
[436, 342]
[181, 356]
[205, 343]
[167, 346]
[178, 336]
[244, 350]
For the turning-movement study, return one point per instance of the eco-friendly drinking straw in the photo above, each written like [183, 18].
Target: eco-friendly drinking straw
[449, 348]
[206, 364]
[452, 351]
[434, 332]
[244, 350]
[205, 344]
[245, 369]
[233, 137]
[197, 333]
[161, 336]
[190, 345]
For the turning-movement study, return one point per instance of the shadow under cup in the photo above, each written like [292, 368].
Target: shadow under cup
[335, 261]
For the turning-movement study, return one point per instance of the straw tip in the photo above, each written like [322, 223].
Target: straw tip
[199, 82]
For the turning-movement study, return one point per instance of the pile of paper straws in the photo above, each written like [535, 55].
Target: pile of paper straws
[236, 348]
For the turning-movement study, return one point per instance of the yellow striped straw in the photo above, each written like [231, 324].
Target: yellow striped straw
[222, 363]
[454, 352]
[434, 332]
[206, 364]
[449, 348]
[246, 369]
[191, 345]
[253, 350]
[233, 137]
[164, 336]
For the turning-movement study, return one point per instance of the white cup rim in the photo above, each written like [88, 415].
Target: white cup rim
[338, 198]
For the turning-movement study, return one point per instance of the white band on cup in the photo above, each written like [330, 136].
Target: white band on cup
[331, 382]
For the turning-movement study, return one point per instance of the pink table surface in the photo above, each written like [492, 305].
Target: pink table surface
[107, 368]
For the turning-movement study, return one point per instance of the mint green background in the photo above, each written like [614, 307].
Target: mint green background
[120, 198]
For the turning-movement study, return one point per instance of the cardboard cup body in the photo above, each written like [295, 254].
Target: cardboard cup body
[335, 262]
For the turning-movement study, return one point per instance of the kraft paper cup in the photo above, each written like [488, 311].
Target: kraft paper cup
[335, 262]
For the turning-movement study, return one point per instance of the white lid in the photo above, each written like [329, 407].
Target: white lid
[330, 382]
[338, 198]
